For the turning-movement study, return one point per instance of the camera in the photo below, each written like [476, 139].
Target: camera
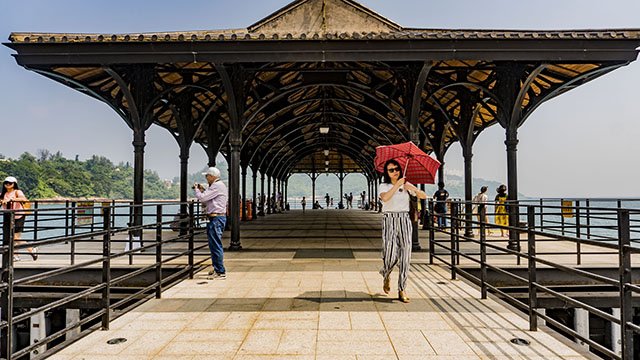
[196, 185]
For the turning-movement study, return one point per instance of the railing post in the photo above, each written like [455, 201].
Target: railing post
[459, 221]
[483, 257]
[531, 241]
[588, 220]
[562, 215]
[73, 232]
[35, 220]
[130, 232]
[578, 231]
[191, 224]
[454, 229]
[541, 215]
[6, 300]
[106, 268]
[113, 214]
[432, 232]
[158, 251]
[93, 218]
[626, 303]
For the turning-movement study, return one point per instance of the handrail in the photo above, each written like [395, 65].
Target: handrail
[601, 221]
[54, 228]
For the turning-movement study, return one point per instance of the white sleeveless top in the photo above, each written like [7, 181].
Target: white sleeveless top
[399, 202]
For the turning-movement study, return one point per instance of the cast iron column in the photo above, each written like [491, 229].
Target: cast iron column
[313, 188]
[184, 167]
[467, 154]
[512, 188]
[268, 197]
[286, 190]
[375, 195]
[243, 204]
[234, 193]
[254, 212]
[275, 194]
[138, 178]
[262, 195]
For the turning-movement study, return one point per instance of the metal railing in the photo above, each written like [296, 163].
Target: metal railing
[96, 246]
[489, 253]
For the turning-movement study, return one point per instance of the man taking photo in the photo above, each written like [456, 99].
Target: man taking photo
[214, 197]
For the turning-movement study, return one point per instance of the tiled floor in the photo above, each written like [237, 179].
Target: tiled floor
[275, 306]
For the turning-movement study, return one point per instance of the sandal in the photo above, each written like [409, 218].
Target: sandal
[34, 254]
[402, 297]
[386, 286]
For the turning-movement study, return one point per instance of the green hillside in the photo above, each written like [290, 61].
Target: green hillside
[52, 175]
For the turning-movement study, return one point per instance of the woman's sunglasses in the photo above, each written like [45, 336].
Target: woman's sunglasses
[393, 169]
[7, 182]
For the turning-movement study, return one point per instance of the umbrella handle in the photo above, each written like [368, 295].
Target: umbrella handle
[404, 173]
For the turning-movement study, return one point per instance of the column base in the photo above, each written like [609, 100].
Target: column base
[234, 247]
[513, 246]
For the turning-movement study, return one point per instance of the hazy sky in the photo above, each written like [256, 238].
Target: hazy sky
[583, 143]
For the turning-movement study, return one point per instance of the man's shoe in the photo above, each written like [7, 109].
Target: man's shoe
[211, 272]
[218, 276]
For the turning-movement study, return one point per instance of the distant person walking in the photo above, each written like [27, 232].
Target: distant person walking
[12, 199]
[214, 196]
[327, 199]
[440, 209]
[303, 202]
[501, 217]
[396, 226]
[362, 196]
[480, 204]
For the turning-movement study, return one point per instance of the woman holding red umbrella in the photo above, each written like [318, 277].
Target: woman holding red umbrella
[396, 226]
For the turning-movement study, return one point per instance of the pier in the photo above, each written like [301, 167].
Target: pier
[307, 287]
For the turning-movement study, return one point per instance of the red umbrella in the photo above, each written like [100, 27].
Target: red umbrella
[418, 167]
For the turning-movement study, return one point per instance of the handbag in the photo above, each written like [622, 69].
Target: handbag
[26, 205]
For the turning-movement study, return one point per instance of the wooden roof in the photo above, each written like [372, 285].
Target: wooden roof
[313, 64]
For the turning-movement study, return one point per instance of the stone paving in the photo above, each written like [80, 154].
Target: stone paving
[307, 287]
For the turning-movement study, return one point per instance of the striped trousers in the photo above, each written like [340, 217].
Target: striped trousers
[396, 245]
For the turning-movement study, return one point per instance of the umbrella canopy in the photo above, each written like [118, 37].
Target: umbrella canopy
[418, 167]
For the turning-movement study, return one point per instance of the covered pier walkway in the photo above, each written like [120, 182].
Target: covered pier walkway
[306, 287]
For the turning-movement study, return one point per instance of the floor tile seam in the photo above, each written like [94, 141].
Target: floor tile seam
[386, 331]
[167, 344]
[428, 342]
